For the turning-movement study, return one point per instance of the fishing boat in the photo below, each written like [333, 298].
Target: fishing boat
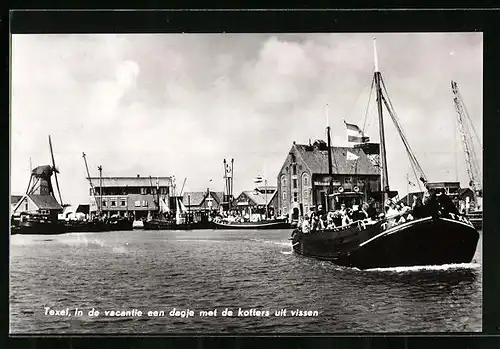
[262, 196]
[438, 237]
[165, 219]
[265, 224]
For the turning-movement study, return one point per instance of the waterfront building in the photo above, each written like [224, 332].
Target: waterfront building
[254, 201]
[39, 198]
[199, 204]
[198, 201]
[14, 199]
[44, 204]
[130, 196]
[304, 180]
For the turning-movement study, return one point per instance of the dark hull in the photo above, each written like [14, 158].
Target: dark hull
[49, 228]
[252, 225]
[426, 241]
[165, 225]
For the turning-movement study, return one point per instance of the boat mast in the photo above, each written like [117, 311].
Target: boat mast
[90, 181]
[383, 157]
[100, 188]
[330, 172]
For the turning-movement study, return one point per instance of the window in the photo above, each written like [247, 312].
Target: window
[283, 182]
[123, 203]
[144, 203]
[305, 180]
[143, 191]
[294, 169]
[104, 203]
[284, 210]
[294, 183]
[113, 203]
[284, 197]
[295, 197]
[137, 203]
[26, 205]
[305, 195]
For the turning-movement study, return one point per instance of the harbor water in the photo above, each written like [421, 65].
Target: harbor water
[254, 274]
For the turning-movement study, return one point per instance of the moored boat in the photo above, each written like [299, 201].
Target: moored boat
[264, 224]
[439, 236]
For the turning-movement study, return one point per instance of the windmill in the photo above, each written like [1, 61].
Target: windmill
[40, 181]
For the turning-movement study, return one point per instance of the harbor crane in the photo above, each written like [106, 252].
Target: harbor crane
[465, 126]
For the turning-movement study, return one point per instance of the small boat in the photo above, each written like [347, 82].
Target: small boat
[439, 237]
[138, 224]
[265, 224]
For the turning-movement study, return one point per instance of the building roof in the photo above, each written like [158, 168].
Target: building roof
[131, 181]
[258, 198]
[345, 160]
[45, 202]
[14, 199]
[196, 197]
[269, 188]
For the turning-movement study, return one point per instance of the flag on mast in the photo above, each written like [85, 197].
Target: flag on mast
[355, 134]
[258, 179]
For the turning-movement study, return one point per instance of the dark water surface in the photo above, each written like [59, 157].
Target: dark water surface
[208, 270]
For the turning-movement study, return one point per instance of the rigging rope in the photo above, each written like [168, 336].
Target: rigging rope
[396, 122]
[464, 108]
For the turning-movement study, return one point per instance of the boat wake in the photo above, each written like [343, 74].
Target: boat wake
[273, 242]
[444, 267]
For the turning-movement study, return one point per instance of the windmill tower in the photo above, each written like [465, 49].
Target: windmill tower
[40, 196]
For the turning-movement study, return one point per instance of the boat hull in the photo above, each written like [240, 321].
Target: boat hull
[426, 241]
[252, 225]
[52, 228]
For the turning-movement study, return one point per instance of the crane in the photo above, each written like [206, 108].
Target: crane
[464, 122]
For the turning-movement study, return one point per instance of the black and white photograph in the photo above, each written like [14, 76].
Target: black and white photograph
[239, 183]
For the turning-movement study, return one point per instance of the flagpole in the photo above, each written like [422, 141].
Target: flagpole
[327, 119]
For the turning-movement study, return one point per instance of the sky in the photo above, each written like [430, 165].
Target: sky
[178, 104]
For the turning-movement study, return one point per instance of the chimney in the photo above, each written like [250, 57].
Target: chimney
[137, 175]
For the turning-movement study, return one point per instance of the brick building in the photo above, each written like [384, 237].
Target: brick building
[304, 180]
[137, 196]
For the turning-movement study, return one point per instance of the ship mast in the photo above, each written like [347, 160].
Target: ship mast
[90, 181]
[383, 157]
[330, 173]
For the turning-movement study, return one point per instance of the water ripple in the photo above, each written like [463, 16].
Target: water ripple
[208, 270]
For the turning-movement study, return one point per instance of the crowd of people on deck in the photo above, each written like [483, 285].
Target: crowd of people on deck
[435, 203]
[240, 217]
